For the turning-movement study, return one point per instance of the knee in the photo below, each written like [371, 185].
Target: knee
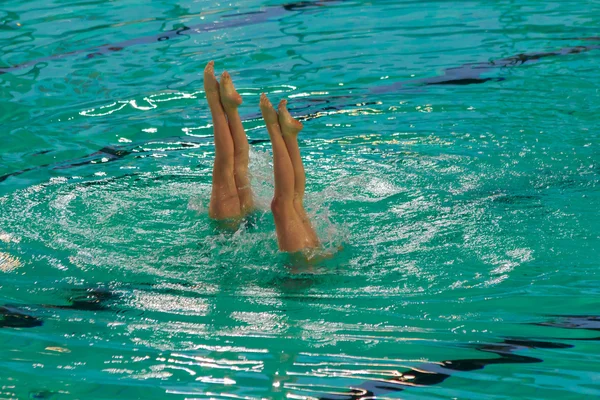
[280, 204]
[276, 205]
[240, 167]
[299, 207]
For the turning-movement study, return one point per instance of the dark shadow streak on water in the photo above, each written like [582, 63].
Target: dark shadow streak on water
[88, 299]
[113, 153]
[102, 299]
[106, 153]
[467, 74]
[463, 75]
[434, 373]
[12, 317]
[91, 299]
[241, 19]
[590, 322]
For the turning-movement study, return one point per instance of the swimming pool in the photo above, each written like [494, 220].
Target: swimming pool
[450, 148]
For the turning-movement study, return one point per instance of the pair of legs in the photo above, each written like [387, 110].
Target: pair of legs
[294, 230]
[231, 196]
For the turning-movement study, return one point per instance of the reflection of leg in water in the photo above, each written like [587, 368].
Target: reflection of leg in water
[292, 233]
[231, 196]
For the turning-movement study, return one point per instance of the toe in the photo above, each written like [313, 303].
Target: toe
[282, 105]
[264, 101]
[229, 96]
[210, 68]
[225, 77]
[287, 122]
[267, 109]
[210, 82]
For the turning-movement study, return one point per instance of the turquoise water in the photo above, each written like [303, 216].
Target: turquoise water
[452, 149]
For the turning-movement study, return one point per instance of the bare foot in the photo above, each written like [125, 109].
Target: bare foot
[268, 112]
[230, 98]
[289, 125]
[211, 86]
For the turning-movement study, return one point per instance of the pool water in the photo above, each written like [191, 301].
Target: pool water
[451, 151]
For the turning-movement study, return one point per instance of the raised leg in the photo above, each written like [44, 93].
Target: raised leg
[291, 235]
[290, 128]
[230, 99]
[224, 200]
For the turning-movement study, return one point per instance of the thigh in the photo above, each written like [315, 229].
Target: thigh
[291, 234]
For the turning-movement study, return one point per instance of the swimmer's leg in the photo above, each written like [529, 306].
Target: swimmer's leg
[290, 128]
[291, 234]
[224, 200]
[230, 99]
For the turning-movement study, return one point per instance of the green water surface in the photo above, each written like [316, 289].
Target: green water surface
[468, 213]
